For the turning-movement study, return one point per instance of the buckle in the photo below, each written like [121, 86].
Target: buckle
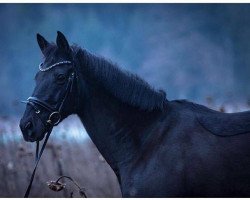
[54, 118]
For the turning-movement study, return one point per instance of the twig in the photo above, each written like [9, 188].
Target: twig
[57, 185]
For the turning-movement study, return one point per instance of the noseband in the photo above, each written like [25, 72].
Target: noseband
[54, 116]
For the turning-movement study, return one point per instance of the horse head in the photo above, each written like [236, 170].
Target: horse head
[54, 95]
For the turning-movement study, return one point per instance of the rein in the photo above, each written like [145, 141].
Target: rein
[53, 119]
[38, 157]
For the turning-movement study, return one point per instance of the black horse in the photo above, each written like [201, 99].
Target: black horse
[156, 147]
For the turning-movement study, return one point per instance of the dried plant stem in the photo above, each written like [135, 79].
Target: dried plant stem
[81, 190]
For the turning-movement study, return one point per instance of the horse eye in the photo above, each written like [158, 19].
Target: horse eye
[61, 77]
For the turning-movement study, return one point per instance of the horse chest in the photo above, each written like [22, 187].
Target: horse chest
[155, 184]
[140, 185]
[153, 179]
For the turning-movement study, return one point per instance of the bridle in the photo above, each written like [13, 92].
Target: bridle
[55, 115]
[55, 112]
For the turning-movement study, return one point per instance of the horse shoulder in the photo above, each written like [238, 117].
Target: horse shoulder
[162, 158]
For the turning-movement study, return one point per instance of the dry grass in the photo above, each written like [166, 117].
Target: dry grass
[74, 156]
[69, 152]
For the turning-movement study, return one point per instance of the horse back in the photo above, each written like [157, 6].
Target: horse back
[222, 124]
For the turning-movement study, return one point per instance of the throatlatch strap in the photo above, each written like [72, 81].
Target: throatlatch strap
[38, 157]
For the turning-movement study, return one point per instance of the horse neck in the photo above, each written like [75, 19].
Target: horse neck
[118, 130]
[114, 128]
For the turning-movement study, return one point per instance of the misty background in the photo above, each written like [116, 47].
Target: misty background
[192, 51]
[199, 52]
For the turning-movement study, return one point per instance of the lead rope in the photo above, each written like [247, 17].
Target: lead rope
[38, 157]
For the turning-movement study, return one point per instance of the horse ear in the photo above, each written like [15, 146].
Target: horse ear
[62, 42]
[42, 42]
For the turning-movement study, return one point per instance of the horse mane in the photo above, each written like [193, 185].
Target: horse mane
[125, 86]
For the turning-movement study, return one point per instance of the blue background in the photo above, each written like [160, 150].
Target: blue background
[192, 51]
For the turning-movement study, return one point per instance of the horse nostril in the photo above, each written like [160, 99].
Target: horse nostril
[28, 125]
